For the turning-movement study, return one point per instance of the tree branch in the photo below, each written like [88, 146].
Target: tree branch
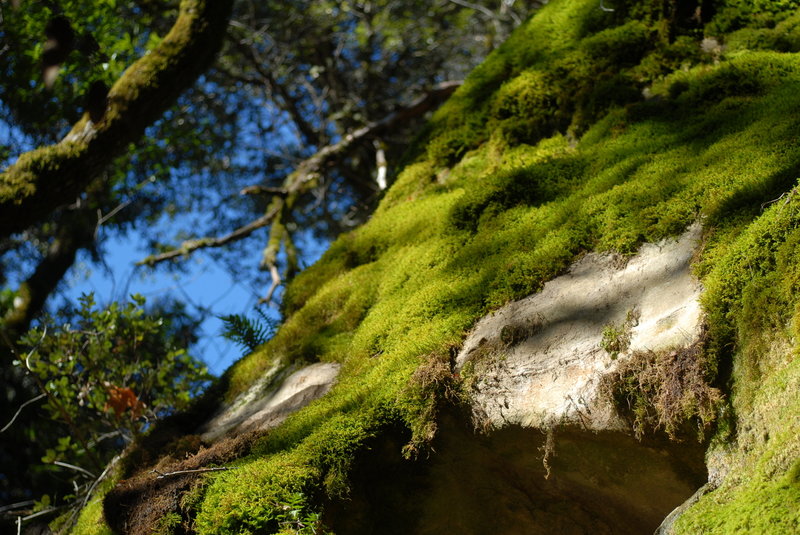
[190, 246]
[304, 176]
[162, 475]
[263, 190]
[46, 178]
[314, 164]
[75, 231]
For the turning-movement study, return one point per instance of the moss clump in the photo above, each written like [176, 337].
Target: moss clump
[91, 520]
[547, 151]
[667, 391]
[752, 303]
[762, 490]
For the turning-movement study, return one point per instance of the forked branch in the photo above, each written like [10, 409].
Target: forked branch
[303, 179]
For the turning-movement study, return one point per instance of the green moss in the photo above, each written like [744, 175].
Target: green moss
[546, 152]
[424, 269]
[783, 36]
[91, 520]
[763, 488]
[735, 15]
[167, 524]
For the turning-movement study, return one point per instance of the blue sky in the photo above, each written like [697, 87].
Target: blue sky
[203, 285]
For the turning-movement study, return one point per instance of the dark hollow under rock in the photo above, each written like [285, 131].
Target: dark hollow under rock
[599, 483]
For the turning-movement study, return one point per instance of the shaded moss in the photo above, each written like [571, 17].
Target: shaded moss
[91, 520]
[762, 490]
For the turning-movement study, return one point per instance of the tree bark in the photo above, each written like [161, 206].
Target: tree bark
[75, 232]
[48, 177]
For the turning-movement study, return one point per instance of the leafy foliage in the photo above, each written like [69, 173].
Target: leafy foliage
[249, 333]
[106, 379]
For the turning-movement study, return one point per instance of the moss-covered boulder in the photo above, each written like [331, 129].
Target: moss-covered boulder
[589, 130]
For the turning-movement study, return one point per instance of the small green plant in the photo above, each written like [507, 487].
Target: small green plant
[246, 332]
[294, 517]
[617, 337]
[104, 379]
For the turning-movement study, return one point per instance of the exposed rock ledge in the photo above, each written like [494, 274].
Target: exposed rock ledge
[538, 362]
[281, 391]
[559, 459]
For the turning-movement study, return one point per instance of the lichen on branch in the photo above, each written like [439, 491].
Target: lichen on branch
[43, 179]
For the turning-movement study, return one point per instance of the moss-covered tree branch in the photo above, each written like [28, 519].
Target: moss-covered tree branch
[48, 177]
[190, 246]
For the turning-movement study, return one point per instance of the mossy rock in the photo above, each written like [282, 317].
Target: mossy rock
[548, 151]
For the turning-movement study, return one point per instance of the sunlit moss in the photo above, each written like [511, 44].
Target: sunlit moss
[91, 521]
[549, 150]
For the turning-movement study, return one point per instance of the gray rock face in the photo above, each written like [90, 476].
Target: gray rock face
[280, 392]
[538, 362]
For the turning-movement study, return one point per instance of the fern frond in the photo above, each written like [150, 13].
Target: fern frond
[246, 332]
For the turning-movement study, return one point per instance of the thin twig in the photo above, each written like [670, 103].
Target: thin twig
[73, 467]
[34, 400]
[263, 190]
[787, 194]
[101, 219]
[33, 350]
[90, 490]
[276, 281]
[193, 245]
[162, 475]
[469, 5]
[39, 513]
[18, 505]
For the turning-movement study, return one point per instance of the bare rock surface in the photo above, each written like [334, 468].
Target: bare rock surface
[281, 391]
[539, 361]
